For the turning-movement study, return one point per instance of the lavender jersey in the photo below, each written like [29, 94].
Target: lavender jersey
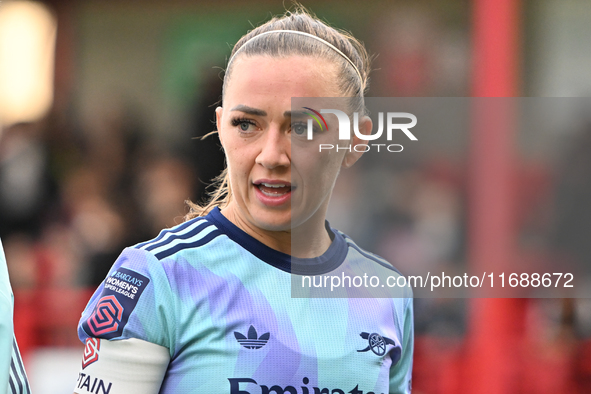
[221, 303]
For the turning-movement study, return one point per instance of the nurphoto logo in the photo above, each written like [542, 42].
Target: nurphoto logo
[392, 123]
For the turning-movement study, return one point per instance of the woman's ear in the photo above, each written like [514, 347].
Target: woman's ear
[365, 126]
[218, 121]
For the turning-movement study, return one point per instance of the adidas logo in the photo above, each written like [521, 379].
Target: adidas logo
[252, 341]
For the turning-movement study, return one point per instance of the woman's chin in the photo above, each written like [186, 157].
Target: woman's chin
[272, 220]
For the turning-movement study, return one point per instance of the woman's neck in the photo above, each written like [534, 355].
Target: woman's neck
[308, 240]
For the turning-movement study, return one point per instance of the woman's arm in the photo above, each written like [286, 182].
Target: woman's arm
[128, 328]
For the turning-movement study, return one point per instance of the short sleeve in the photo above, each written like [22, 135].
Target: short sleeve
[401, 373]
[134, 301]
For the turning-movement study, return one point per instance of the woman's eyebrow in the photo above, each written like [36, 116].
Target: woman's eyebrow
[249, 110]
[295, 114]
[260, 112]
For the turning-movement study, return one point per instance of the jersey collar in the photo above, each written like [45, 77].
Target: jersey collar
[329, 261]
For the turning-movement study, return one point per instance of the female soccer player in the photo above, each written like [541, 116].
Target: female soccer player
[206, 306]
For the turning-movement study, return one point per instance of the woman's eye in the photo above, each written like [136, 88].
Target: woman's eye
[244, 126]
[299, 128]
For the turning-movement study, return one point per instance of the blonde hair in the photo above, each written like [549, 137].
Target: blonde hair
[350, 56]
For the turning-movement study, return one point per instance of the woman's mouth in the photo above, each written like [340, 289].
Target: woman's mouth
[274, 189]
[273, 192]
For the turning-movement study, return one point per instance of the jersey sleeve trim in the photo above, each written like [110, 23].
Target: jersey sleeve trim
[18, 382]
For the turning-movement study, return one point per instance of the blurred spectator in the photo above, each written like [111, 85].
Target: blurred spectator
[572, 225]
[206, 154]
[26, 187]
[163, 186]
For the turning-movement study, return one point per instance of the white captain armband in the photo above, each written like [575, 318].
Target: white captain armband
[122, 367]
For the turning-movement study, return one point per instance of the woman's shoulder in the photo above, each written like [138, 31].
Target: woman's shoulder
[372, 272]
[363, 254]
[147, 276]
[195, 235]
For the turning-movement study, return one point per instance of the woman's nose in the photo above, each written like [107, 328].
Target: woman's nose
[275, 149]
